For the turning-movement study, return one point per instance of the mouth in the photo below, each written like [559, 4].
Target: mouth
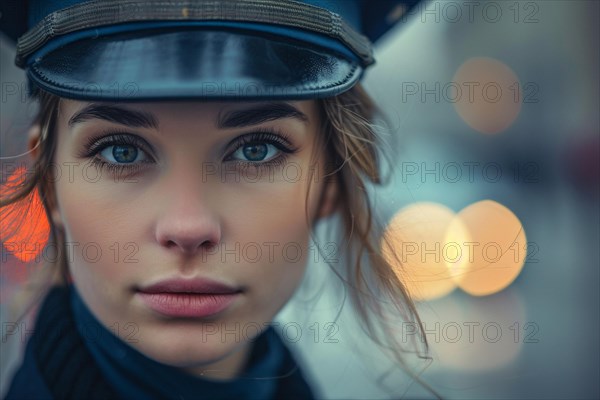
[188, 298]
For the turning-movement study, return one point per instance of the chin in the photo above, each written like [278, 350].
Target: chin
[186, 347]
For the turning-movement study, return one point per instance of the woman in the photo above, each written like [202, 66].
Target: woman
[203, 142]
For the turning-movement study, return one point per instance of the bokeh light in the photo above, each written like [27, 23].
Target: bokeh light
[418, 236]
[488, 94]
[482, 249]
[497, 251]
[25, 227]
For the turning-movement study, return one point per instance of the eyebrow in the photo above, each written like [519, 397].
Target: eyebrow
[259, 114]
[112, 113]
[233, 119]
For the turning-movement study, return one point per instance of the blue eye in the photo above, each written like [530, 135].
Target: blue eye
[123, 154]
[256, 152]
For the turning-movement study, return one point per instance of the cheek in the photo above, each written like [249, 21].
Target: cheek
[274, 225]
[98, 232]
[270, 212]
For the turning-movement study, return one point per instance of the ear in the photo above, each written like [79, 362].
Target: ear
[329, 197]
[33, 140]
[34, 147]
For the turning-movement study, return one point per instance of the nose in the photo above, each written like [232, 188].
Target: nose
[187, 223]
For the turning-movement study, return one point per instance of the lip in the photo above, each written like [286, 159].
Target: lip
[188, 298]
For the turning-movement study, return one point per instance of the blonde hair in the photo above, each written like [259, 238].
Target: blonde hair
[353, 154]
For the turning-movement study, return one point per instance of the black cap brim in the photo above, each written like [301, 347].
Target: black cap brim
[193, 64]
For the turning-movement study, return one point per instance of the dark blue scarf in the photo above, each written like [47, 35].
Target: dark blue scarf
[71, 355]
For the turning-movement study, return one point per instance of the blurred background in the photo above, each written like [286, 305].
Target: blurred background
[493, 204]
[495, 105]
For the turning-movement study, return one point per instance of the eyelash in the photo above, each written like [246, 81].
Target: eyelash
[94, 146]
[280, 140]
[264, 136]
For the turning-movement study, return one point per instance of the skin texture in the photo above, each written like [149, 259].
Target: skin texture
[176, 215]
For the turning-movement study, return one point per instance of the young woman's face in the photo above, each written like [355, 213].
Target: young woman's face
[185, 222]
